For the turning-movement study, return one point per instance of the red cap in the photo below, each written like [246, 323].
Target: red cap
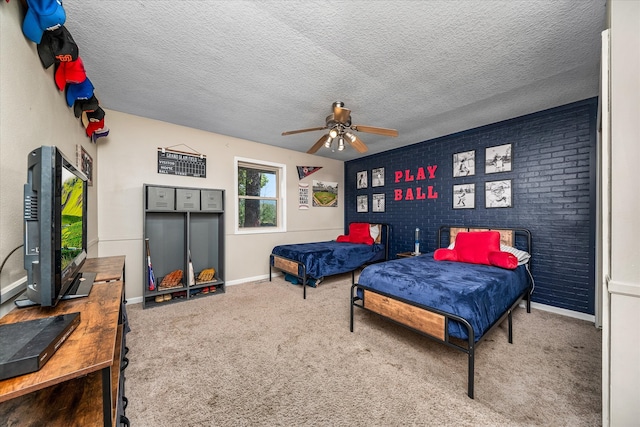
[70, 72]
[94, 126]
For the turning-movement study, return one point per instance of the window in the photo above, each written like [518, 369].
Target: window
[260, 194]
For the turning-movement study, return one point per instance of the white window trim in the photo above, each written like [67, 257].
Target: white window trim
[282, 197]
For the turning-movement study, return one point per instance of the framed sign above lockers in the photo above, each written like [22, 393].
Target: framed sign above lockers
[173, 162]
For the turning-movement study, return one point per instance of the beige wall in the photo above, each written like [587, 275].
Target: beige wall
[621, 337]
[128, 159]
[32, 113]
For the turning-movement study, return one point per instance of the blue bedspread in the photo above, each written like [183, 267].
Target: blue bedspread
[478, 293]
[327, 258]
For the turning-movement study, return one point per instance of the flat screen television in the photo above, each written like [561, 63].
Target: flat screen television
[55, 229]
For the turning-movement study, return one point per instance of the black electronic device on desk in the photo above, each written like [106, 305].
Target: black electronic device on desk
[55, 229]
[26, 346]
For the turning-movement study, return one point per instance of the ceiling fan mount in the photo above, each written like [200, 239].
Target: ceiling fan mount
[340, 129]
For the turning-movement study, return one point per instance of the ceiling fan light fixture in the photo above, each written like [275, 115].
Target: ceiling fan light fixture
[333, 133]
[327, 142]
[340, 144]
[351, 136]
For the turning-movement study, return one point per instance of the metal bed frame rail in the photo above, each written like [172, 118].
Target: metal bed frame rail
[442, 337]
[299, 270]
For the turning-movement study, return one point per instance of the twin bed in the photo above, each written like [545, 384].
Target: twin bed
[455, 303]
[317, 260]
[456, 295]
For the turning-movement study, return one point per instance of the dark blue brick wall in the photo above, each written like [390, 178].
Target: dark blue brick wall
[553, 195]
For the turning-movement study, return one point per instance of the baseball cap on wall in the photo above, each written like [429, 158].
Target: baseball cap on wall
[88, 105]
[41, 16]
[70, 72]
[94, 116]
[57, 46]
[100, 133]
[76, 91]
[93, 122]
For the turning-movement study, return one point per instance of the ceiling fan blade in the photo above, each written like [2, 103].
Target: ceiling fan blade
[375, 130]
[318, 144]
[291, 132]
[341, 114]
[357, 143]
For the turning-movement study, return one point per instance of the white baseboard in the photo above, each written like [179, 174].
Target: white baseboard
[138, 300]
[562, 311]
[543, 307]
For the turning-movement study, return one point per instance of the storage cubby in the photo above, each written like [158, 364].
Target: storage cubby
[186, 228]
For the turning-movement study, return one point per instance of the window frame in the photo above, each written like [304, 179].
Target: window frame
[281, 173]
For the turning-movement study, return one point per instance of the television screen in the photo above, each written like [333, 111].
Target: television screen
[55, 228]
[72, 217]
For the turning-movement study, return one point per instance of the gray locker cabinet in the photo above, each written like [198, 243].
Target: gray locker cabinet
[179, 221]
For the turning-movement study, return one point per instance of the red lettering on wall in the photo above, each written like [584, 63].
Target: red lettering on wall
[409, 195]
[432, 194]
[420, 175]
[407, 175]
[398, 176]
[419, 194]
[432, 171]
[397, 194]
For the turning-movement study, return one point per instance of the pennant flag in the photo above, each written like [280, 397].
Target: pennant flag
[304, 171]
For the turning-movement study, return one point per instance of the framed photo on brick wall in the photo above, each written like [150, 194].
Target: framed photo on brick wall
[464, 196]
[361, 180]
[498, 159]
[377, 177]
[362, 203]
[498, 194]
[464, 163]
[377, 204]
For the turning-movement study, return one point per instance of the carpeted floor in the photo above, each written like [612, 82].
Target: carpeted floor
[260, 355]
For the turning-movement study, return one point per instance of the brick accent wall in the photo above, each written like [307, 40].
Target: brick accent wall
[553, 194]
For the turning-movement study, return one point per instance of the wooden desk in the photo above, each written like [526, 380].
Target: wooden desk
[79, 384]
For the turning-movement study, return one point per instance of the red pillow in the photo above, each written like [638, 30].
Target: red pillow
[474, 246]
[359, 232]
[444, 254]
[503, 259]
[342, 238]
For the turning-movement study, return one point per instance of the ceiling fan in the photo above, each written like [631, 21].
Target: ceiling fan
[340, 130]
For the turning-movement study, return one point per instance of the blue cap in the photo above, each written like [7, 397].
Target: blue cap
[83, 90]
[42, 15]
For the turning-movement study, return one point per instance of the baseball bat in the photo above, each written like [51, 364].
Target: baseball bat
[152, 277]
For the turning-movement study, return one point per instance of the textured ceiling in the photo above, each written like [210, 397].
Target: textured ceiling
[253, 69]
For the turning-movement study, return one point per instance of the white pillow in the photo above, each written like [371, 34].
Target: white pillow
[523, 256]
[374, 230]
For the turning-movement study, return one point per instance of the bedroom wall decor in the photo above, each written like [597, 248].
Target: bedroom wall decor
[175, 162]
[419, 192]
[377, 203]
[498, 159]
[464, 196]
[303, 195]
[363, 203]
[325, 194]
[498, 194]
[362, 180]
[377, 177]
[305, 171]
[84, 163]
[464, 164]
[553, 194]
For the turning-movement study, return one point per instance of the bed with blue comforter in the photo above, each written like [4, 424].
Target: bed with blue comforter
[456, 303]
[316, 260]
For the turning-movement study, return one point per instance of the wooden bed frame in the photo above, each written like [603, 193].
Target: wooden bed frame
[294, 267]
[431, 322]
